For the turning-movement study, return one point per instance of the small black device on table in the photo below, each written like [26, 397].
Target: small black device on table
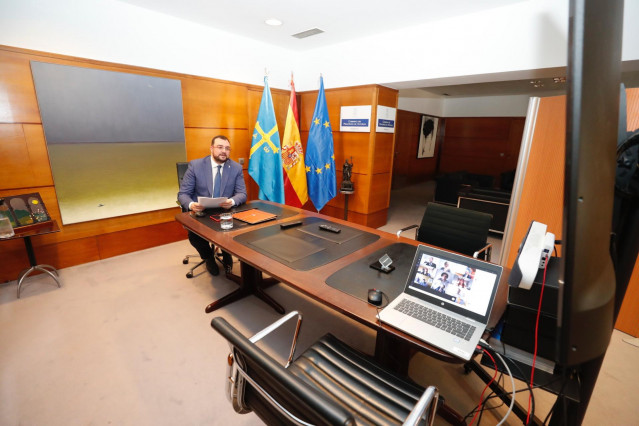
[330, 228]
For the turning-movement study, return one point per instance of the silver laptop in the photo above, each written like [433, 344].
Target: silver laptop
[446, 301]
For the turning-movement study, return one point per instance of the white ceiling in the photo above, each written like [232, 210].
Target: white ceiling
[341, 20]
[349, 20]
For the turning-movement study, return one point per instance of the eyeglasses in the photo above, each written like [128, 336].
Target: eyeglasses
[222, 148]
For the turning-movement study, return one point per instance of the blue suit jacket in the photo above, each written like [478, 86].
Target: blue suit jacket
[198, 182]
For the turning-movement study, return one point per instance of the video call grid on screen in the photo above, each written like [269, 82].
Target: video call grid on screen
[469, 288]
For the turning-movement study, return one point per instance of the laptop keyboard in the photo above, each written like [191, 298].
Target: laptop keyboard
[436, 319]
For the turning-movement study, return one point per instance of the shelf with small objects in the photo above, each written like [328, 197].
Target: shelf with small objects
[24, 212]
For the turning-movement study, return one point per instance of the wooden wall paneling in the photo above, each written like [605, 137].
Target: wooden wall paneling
[306, 108]
[13, 259]
[69, 253]
[372, 220]
[18, 172]
[116, 243]
[356, 145]
[379, 192]
[60, 255]
[198, 141]
[480, 165]
[628, 319]
[360, 199]
[476, 147]
[387, 97]
[474, 127]
[38, 155]
[632, 102]
[383, 153]
[484, 145]
[214, 104]
[407, 168]
[121, 223]
[542, 196]
[18, 103]
[407, 129]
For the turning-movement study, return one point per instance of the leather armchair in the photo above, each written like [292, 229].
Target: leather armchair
[451, 228]
[329, 384]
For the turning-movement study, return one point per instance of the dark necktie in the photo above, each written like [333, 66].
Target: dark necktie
[217, 183]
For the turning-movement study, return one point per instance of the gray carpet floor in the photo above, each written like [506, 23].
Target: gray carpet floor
[125, 341]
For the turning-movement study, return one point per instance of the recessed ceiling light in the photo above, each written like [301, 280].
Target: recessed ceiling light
[273, 22]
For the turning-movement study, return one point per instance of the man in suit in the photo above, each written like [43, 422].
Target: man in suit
[212, 176]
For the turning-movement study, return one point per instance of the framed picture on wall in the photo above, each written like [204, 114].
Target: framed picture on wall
[427, 136]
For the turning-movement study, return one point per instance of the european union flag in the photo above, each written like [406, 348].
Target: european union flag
[320, 159]
[265, 160]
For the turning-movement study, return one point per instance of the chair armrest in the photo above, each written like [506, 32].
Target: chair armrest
[488, 249]
[428, 399]
[406, 229]
[267, 330]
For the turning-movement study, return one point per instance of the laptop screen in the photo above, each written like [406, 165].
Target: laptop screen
[458, 283]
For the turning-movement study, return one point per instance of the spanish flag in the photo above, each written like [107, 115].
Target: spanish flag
[295, 190]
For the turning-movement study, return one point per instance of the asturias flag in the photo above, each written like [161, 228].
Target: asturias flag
[320, 159]
[293, 157]
[265, 163]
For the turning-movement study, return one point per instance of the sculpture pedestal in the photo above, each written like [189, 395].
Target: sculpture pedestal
[346, 194]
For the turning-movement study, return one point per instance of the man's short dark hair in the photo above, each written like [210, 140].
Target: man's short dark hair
[220, 137]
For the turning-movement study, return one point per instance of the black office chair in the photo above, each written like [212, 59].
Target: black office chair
[451, 228]
[181, 170]
[329, 384]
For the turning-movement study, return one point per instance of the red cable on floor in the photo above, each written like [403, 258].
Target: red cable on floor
[532, 371]
[481, 397]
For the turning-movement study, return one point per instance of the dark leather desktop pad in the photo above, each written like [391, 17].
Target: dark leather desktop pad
[281, 211]
[357, 278]
[302, 248]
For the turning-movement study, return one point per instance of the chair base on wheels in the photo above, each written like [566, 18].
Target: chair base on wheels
[186, 261]
[228, 266]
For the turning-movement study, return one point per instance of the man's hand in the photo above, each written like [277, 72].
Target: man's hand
[197, 207]
[227, 204]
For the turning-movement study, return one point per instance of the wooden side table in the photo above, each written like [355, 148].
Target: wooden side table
[26, 232]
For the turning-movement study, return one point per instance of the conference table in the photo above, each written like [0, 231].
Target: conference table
[393, 347]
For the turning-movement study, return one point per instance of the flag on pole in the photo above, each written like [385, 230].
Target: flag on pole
[320, 159]
[265, 162]
[293, 157]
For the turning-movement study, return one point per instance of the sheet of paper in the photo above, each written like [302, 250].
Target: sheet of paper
[211, 203]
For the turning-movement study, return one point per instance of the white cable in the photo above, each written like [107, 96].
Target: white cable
[512, 381]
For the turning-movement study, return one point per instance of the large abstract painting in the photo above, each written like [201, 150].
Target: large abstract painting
[113, 139]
